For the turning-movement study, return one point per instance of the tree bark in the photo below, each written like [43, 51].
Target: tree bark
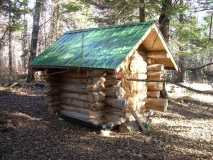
[34, 39]
[142, 15]
[164, 18]
[181, 73]
[54, 22]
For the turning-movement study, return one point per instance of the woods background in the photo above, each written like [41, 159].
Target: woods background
[27, 27]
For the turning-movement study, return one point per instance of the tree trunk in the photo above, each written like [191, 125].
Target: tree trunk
[54, 22]
[142, 15]
[164, 18]
[10, 52]
[164, 28]
[2, 43]
[24, 46]
[34, 39]
[181, 72]
[10, 38]
[210, 27]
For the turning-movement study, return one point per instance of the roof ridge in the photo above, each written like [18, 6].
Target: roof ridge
[112, 26]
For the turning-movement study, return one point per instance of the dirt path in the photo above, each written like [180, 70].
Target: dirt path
[27, 132]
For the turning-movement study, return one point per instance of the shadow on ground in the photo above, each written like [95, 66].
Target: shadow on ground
[191, 111]
[27, 131]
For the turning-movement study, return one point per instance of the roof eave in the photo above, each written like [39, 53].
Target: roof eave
[44, 67]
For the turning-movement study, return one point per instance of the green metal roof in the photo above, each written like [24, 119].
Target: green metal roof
[102, 48]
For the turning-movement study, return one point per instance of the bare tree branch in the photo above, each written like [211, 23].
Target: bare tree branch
[200, 67]
[177, 84]
[192, 89]
[202, 9]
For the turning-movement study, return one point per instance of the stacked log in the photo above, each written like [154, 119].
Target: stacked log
[94, 98]
[158, 57]
[155, 74]
[135, 92]
[115, 101]
[52, 95]
[82, 95]
[139, 89]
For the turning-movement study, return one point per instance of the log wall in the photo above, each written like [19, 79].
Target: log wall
[115, 102]
[155, 73]
[100, 97]
[134, 67]
[78, 94]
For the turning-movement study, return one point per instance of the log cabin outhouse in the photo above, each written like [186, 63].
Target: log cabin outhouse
[101, 75]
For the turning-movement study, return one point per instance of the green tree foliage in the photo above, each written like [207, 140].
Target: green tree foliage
[66, 12]
[191, 36]
[115, 12]
[18, 8]
[70, 7]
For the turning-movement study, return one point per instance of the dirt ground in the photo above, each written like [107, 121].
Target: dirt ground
[27, 132]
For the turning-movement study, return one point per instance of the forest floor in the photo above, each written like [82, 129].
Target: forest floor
[27, 132]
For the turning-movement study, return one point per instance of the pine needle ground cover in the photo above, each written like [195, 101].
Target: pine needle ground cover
[27, 131]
